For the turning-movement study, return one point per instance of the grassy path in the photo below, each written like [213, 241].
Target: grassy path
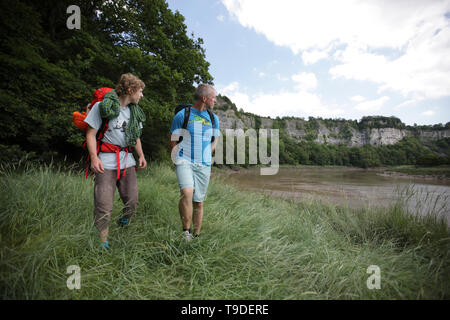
[252, 246]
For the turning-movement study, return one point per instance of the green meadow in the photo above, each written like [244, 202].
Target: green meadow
[252, 246]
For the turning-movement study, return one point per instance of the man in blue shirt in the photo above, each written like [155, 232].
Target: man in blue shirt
[193, 156]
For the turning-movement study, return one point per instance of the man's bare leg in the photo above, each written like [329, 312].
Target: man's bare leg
[185, 207]
[104, 235]
[198, 217]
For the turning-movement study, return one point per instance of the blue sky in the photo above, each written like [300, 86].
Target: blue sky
[330, 59]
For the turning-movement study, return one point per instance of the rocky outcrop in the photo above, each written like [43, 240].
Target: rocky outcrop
[434, 135]
[229, 120]
[386, 136]
[293, 131]
[338, 133]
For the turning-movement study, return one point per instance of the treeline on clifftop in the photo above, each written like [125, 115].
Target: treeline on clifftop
[50, 71]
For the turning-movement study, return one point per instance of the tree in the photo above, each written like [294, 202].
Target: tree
[53, 71]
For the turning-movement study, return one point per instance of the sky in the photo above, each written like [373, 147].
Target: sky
[325, 58]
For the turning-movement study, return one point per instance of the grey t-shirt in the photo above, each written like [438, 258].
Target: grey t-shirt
[114, 135]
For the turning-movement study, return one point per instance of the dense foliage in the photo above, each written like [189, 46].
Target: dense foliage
[51, 71]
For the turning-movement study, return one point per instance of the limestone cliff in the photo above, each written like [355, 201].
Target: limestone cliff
[373, 130]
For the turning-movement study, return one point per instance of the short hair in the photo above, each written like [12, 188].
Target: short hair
[129, 84]
[203, 90]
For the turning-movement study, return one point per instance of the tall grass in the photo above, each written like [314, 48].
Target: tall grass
[252, 246]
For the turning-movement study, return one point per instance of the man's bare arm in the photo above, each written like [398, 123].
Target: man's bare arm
[91, 141]
[140, 152]
[214, 144]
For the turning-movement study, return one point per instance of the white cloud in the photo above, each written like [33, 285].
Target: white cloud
[371, 105]
[409, 103]
[304, 25]
[305, 81]
[428, 113]
[261, 74]
[422, 70]
[357, 98]
[401, 45]
[232, 87]
[221, 18]
[297, 103]
[311, 57]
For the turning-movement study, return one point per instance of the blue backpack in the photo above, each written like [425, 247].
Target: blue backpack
[187, 113]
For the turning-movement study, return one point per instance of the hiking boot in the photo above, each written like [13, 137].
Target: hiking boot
[187, 236]
[123, 222]
[105, 245]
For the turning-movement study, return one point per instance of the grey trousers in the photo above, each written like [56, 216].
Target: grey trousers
[104, 188]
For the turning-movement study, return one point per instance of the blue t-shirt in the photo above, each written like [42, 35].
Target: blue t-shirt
[196, 144]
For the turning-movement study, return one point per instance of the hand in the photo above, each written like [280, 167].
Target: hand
[142, 162]
[97, 165]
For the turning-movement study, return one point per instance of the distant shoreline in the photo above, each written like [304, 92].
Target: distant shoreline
[396, 174]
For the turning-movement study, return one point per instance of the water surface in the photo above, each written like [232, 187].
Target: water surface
[352, 187]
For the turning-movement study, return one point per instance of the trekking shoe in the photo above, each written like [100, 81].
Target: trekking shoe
[187, 236]
[123, 222]
[106, 245]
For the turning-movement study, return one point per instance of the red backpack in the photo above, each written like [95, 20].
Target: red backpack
[78, 121]
[78, 118]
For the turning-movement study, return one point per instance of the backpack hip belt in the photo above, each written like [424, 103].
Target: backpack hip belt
[112, 148]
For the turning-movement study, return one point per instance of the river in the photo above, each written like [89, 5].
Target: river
[352, 187]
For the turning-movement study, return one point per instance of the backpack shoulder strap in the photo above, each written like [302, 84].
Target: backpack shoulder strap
[102, 130]
[213, 122]
[187, 113]
[211, 116]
